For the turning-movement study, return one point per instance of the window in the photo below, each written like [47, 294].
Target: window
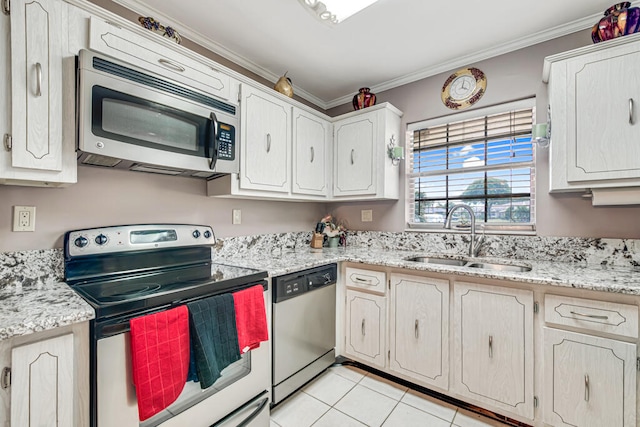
[483, 158]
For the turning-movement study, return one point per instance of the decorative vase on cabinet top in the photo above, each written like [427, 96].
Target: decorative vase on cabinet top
[284, 86]
[363, 99]
[619, 20]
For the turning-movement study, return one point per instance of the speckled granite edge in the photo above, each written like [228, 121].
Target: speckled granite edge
[31, 268]
[592, 251]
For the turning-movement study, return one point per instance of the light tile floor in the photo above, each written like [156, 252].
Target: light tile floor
[345, 396]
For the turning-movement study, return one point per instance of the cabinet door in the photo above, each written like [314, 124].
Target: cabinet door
[42, 383]
[603, 119]
[365, 335]
[37, 45]
[419, 328]
[589, 381]
[151, 53]
[355, 155]
[311, 136]
[494, 346]
[266, 142]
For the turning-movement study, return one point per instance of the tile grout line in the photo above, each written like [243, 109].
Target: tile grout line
[393, 409]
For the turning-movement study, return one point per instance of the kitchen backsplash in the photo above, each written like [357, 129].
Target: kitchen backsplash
[36, 268]
[614, 252]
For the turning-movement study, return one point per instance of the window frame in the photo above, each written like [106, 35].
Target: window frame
[499, 228]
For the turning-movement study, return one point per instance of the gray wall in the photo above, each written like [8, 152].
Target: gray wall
[509, 77]
[110, 197]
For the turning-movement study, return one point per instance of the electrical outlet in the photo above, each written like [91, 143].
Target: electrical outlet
[237, 217]
[24, 218]
[366, 215]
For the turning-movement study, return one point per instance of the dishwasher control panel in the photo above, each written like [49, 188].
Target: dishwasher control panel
[294, 284]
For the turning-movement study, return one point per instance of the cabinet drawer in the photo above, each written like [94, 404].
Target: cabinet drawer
[373, 281]
[138, 50]
[600, 316]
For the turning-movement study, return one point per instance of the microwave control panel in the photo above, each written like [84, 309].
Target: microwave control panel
[226, 142]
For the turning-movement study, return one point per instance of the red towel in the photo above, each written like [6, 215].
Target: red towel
[160, 358]
[251, 318]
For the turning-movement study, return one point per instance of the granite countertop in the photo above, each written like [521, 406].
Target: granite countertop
[579, 275]
[33, 296]
[33, 309]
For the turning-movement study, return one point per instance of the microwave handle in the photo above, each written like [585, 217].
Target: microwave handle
[213, 142]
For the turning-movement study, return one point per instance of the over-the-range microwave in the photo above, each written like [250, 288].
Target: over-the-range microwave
[131, 119]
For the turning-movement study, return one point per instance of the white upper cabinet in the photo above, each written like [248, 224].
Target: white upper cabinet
[265, 147]
[362, 168]
[153, 55]
[38, 149]
[594, 95]
[311, 147]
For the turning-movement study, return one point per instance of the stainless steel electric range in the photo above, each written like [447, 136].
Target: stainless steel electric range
[132, 270]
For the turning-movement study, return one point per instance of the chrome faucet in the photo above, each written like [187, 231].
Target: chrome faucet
[474, 246]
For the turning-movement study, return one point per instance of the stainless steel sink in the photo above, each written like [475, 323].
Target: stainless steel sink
[441, 261]
[498, 267]
[471, 264]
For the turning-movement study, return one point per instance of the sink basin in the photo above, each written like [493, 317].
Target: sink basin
[441, 261]
[498, 267]
[470, 264]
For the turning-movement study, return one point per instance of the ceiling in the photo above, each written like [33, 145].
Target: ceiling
[390, 43]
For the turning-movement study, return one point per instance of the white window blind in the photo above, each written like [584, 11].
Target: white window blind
[486, 162]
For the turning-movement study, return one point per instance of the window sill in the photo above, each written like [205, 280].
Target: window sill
[479, 230]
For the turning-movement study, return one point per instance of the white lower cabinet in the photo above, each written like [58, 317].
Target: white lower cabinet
[494, 347]
[43, 373]
[45, 378]
[366, 327]
[589, 381]
[419, 329]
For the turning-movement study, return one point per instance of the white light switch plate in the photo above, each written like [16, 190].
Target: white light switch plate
[366, 215]
[237, 217]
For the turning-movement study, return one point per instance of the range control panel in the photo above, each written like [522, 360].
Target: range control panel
[125, 238]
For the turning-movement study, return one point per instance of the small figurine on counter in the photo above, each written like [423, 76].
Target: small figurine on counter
[336, 234]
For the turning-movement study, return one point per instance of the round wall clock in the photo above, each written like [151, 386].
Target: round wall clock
[464, 88]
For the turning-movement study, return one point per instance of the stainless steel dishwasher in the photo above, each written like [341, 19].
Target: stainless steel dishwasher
[304, 327]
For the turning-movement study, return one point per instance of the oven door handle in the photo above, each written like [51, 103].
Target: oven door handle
[213, 141]
[247, 421]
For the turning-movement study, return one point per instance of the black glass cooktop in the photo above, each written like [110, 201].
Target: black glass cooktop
[140, 291]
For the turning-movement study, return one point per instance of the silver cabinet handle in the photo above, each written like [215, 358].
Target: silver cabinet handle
[352, 152]
[38, 79]
[268, 142]
[360, 279]
[490, 347]
[416, 331]
[363, 329]
[630, 111]
[171, 65]
[313, 154]
[5, 381]
[586, 388]
[590, 316]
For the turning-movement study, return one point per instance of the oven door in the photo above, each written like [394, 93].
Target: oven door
[125, 114]
[239, 387]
